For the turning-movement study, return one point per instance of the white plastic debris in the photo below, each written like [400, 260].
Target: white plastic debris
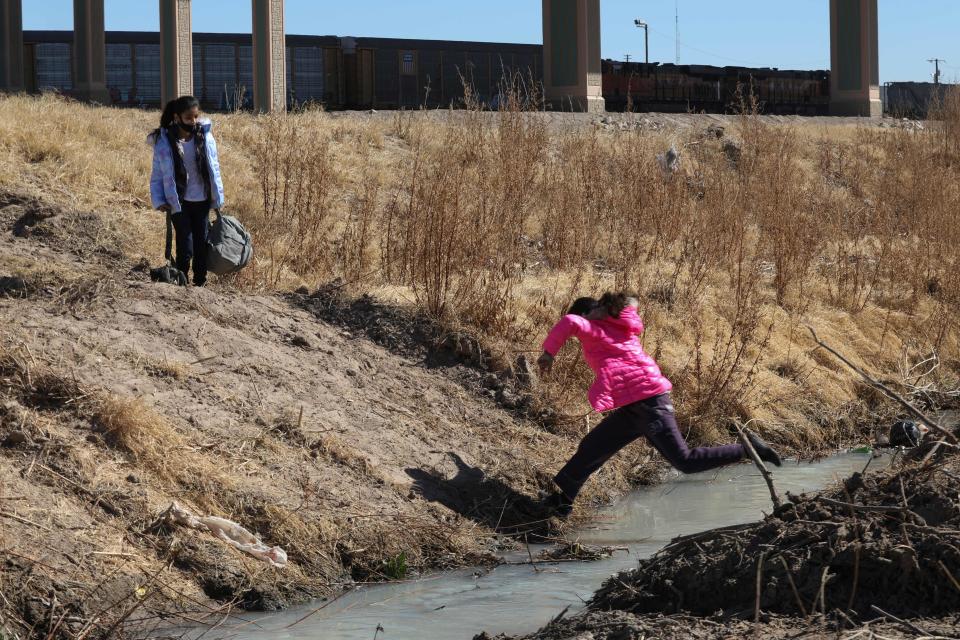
[231, 533]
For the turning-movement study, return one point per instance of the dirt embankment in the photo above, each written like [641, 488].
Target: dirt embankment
[119, 396]
[879, 554]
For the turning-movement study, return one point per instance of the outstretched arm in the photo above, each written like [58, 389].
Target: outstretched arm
[568, 327]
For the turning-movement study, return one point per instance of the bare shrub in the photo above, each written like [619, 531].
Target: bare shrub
[297, 179]
[453, 231]
[356, 254]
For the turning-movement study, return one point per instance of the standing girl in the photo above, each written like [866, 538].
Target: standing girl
[628, 383]
[186, 181]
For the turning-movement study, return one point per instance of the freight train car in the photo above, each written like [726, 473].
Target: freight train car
[392, 73]
[682, 88]
[913, 99]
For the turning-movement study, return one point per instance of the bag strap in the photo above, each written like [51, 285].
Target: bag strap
[168, 252]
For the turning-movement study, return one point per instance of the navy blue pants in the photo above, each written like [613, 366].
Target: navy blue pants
[192, 225]
[654, 419]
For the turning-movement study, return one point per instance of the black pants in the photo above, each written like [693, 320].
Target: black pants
[654, 419]
[192, 225]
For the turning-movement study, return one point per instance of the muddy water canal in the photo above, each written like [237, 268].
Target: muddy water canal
[521, 598]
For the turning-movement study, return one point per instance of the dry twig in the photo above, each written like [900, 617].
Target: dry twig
[745, 441]
[886, 390]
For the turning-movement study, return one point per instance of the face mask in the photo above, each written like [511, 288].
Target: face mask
[187, 128]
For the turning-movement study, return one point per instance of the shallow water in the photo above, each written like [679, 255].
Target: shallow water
[520, 599]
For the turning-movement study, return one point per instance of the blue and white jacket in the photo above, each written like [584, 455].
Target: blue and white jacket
[164, 179]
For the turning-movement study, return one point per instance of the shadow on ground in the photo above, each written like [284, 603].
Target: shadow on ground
[474, 494]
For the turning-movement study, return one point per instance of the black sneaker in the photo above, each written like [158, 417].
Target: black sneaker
[765, 451]
[558, 504]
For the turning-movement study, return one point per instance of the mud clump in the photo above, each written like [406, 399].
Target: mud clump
[889, 540]
[85, 234]
[619, 625]
[879, 553]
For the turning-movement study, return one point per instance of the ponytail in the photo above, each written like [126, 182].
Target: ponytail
[175, 108]
[582, 306]
[614, 303]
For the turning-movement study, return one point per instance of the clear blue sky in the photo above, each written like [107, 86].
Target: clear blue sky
[746, 32]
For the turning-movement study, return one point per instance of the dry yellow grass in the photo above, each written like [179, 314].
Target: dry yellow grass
[496, 221]
[131, 426]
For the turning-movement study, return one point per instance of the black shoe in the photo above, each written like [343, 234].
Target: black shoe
[558, 504]
[765, 451]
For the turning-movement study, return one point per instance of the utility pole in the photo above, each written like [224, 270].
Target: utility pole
[676, 14]
[646, 39]
[936, 65]
[627, 56]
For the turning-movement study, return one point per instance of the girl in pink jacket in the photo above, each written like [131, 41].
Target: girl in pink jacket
[628, 383]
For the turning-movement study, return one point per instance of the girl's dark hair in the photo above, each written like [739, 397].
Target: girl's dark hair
[582, 306]
[175, 108]
[614, 302]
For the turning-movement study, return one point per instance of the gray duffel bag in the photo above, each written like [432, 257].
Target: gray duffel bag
[229, 247]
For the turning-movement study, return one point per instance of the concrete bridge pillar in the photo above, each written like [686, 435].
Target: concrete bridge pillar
[854, 58]
[571, 55]
[89, 51]
[11, 46]
[176, 50]
[269, 56]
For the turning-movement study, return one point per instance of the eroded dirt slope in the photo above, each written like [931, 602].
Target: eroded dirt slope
[119, 396]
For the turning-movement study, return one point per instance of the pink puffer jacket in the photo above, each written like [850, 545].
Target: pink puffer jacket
[625, 373]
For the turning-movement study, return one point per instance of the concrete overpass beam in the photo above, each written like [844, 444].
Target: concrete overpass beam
[269, 56]
[571, 55]
[89, 51]
[11, 46]
[176, 50]
[854, 58]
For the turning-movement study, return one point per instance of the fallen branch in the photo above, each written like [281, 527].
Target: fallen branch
[793, 586]
[908, 625]
[759, 591]
[953, 581]
[863, 507]
[693, 537]
[856, 576]
[24, 521]
[876, 384]
[745, 441]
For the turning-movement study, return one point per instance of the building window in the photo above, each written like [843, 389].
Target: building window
[246, 75]
[198, 71]
[148, 75]
[308, 74]
[288, 70]
[221, 74]
[53, 64]
[119, 72]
